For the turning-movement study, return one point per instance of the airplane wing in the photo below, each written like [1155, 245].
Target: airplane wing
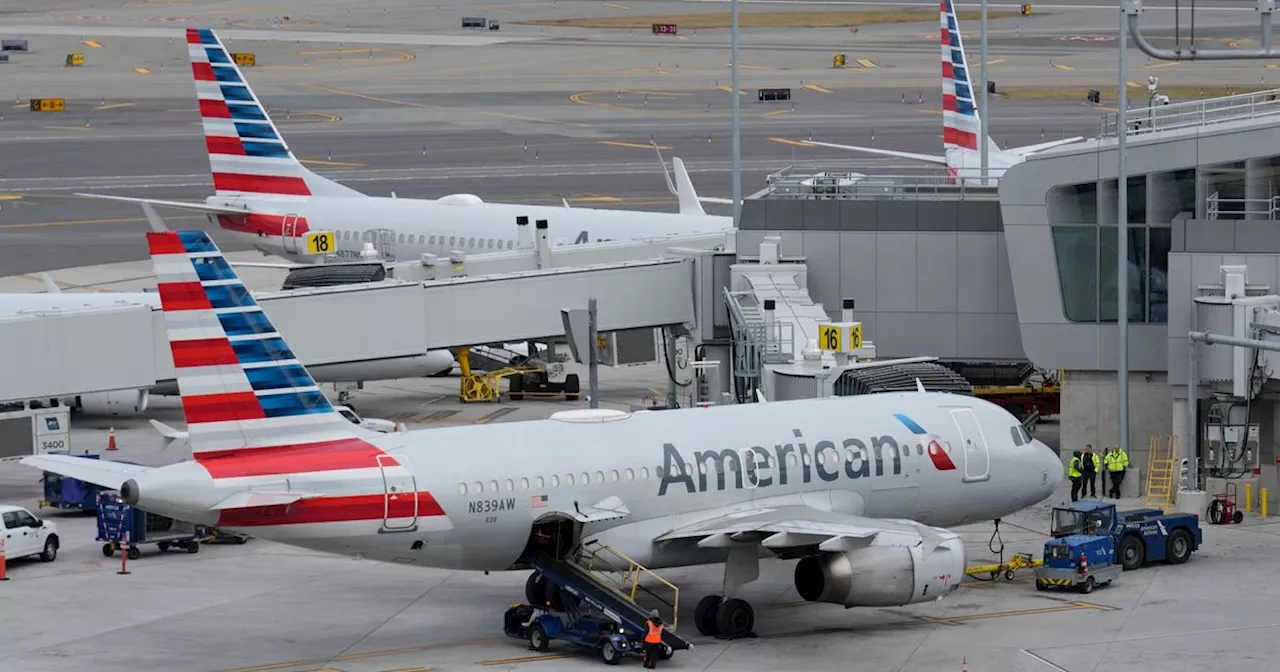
[1031, 149]
[200, 207]
[99, 472]
[927, 158]
[795, 525]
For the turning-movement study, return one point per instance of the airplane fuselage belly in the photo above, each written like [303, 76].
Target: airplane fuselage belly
[669, 470]
[407, 228]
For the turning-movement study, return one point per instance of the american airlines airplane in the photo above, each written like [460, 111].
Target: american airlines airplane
[961, 125]
[268, 198]
[858, 489]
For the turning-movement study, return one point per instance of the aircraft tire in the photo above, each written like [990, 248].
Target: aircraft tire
[704, 615]
[735, 619]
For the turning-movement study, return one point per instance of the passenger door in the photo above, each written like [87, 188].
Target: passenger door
[400, 494]
[977, 459]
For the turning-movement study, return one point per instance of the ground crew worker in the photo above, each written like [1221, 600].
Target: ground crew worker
[652, 640]
[1075, 475]
[1116, 461]
[1090, 467]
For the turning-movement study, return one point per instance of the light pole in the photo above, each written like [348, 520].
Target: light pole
[982, 105]
[733, 93]
[1122, 247]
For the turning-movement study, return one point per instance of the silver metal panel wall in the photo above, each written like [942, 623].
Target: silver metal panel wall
[948, 294]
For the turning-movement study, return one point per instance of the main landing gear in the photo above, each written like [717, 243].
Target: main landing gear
[726, 616]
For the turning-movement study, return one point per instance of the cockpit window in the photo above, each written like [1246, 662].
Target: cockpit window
[1017, 435]
[1026, 436]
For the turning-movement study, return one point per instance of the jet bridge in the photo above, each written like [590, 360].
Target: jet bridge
[62, 353]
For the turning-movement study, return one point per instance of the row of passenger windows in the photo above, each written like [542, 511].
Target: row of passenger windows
[831, 459]
[445, 243]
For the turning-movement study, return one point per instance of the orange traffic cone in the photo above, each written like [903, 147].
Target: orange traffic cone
[964, 665]
[111, 439]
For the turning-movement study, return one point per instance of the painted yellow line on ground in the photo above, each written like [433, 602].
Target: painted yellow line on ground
[1272, 66]
[1060, 66]
[746, 66]
[597, 199]
[411, 669]
[92, 43]
[615, 5]
[867, 63]
[79, 222]
[777, 113]
[142, 71]
[997, 61]
[406, 103]
[818, 87]
[1168, 64]
[342, 164]
[73, 128]
[930, 111]
[633, 145]
[10, 197]
[525, 659]
[114, 106]
[797, 143]
[722, 87]
[369, 654]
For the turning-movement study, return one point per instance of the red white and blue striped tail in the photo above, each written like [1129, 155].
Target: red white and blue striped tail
[960, 124]
[241, 385]
[247, 154]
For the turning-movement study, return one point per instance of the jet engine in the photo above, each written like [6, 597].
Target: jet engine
[460, 199]
[118, 402]
[184, 490]
[881, 576]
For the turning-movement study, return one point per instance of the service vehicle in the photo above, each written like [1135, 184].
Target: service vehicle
[26, 535]
[578, 624]
[1140, 536]
[1079, 561]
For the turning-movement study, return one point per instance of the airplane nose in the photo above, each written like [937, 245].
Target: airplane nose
[1053, 471]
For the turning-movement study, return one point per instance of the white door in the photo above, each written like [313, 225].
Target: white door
[977, 461]
[400, 509]
[288, 237]
[19, 540]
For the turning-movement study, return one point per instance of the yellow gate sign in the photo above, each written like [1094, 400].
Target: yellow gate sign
[843, 337]
[245, 59]
[48, 104]
[829, 337]
[75, 59]
[320, 242]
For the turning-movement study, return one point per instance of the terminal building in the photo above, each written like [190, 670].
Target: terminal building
[973, 277]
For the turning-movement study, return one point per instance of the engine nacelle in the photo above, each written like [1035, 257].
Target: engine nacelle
[184, 490]
[881, 576]
[118, 402]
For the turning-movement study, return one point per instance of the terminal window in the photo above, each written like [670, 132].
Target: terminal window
[1086, 259]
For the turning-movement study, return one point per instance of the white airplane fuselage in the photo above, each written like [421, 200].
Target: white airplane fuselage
[477, 500]
[414, 226]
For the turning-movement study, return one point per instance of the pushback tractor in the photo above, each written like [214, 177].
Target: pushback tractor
[1139, 536]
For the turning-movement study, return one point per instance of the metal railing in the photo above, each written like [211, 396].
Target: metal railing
[1195, 113]
[1217, 207]
[794, 182]
[622, 574]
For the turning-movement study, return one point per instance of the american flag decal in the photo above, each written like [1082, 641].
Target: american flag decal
[538, 501]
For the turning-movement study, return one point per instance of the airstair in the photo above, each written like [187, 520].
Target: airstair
[1162, 459]
[609, 581]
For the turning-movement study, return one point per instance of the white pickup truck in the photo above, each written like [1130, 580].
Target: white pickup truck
[372, 424]
[26, 535]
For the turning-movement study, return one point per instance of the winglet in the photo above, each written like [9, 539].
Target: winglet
[919, 386]
[170, 434]
[682, 188]
[50, 286]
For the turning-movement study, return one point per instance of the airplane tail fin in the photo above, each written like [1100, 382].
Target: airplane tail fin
[241, 385]
[961, 124]
[247, 154]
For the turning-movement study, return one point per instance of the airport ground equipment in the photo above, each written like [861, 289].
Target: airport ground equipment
[1140, 536]
[64, 492]
[578, 581]
[212, 535]
[484, 385]
[579, 624]
[1007, 569]
[1223, 509]
[116, 519]
[1078, 561]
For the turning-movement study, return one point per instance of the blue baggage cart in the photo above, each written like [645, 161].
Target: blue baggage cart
[115, 519]
[64, 492]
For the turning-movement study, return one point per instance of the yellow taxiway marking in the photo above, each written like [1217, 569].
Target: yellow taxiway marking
[407, 103]
[340, 164]
[597, 199]
[746, 66]
[369, 654]
[114, 106]
[142, 71]
[411, 669]
[10, 197]
[1168, 64]
[67, 128]
[777, 113]
[997, 61]
[726, 89]
[615, 5]
[633, 145]
[1060, 66]
[939, 112]
[525, 659]
[818, 87]
[79, 222]
[1273, 66]
[867, 63]
[797, 143]
[93, 44]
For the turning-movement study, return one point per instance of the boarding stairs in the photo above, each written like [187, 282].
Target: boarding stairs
[1162, 460]
[611, 582]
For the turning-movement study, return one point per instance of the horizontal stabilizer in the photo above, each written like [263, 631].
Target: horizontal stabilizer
[255, 498]
[927, 158]
[265, 264]
[199, 207]
[98, 472]
[610, 508]
[1032, 149]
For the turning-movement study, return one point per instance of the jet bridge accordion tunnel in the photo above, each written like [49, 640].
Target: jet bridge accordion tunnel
[901, 378]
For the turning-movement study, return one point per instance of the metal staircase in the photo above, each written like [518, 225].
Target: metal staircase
[1162, 459]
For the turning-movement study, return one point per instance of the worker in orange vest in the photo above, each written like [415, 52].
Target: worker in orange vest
[652, 640]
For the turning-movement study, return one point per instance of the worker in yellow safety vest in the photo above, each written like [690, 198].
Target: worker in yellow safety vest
[1074, 473]
[1116, 461]
[652, 639]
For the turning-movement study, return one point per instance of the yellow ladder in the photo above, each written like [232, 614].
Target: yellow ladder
[621, 574]
[1162, 458]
